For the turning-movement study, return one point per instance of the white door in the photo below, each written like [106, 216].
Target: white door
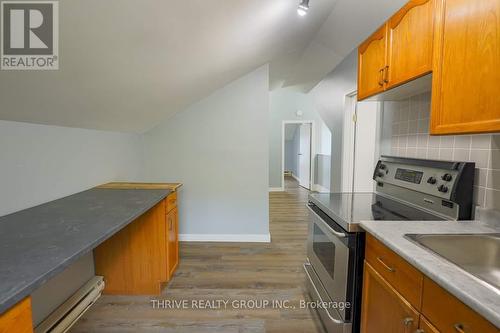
[305, 156]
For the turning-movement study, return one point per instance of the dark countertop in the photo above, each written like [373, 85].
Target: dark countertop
[39, 242]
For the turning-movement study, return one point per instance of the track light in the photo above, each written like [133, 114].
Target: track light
[303, 7]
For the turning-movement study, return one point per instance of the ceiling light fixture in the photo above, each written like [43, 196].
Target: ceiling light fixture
[303, 8]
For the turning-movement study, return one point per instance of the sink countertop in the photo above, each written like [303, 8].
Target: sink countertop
[478, 295]
[37, 243]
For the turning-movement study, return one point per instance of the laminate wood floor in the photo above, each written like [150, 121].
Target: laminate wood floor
[246, 275]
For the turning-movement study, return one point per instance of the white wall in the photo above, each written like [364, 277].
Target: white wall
[284, 103]
[218, 148]
[41, 163]
[329, 99]
[367, 149]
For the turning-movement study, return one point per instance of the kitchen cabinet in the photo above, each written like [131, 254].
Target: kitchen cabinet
[132, 261]
[383, 309]
[425, 326]
[144, 255]
[396, 271]
[458, 41]
[448, 314]
[400, 51]
[410, 43]
[386, 308]
[18, 318]
[172, 241]
[371, 62]
[466, 75]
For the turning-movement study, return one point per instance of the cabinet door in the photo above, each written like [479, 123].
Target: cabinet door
[18, 318]
[383, 309]
[173, 241]
[466, 78]
[371, 64]
[425, 326]
[410, 42]
[450, 315]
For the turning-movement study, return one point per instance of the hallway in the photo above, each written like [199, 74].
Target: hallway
[227, 271]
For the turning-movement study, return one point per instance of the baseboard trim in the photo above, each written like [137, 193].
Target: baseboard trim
[295, 177]
[241, 238]
[276, 189]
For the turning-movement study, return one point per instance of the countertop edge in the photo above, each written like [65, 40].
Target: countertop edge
[141, 186]
[9, 301]
[488, 313]
[328, 211]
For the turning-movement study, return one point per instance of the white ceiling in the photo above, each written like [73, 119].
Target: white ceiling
[349, 23]
[125, 65]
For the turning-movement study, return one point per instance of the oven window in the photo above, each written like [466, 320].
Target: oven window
[324, 249]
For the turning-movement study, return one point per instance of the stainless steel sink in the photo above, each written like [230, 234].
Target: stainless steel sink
[478, 254]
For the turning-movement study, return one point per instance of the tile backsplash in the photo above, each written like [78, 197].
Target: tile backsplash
[409, 137]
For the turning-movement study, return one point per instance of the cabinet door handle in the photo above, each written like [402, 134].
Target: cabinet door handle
[408, 321]
[386, 74]
[420, 331]
[381, 77]
[389, 268]
[459, 328]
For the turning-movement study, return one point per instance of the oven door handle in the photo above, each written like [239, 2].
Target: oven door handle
[335, 320]
[336, 233]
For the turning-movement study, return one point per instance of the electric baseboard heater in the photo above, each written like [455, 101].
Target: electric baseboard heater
[66, 315]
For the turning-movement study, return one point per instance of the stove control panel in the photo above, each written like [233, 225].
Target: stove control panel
[450, 183]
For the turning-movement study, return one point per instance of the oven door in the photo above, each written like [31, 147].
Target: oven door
[328, 253]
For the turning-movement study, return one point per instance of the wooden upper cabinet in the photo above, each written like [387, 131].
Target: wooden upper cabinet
[383, 309]
[371, 64]
[410, 43]
[466, 79]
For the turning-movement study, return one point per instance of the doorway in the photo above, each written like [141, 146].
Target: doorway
[298, 152]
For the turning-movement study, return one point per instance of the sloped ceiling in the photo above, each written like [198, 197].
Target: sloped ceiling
[349, 23]
[126, 65]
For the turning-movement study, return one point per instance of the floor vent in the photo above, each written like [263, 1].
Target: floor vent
[73, 308]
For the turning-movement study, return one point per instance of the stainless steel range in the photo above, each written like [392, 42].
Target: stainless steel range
[406, 189]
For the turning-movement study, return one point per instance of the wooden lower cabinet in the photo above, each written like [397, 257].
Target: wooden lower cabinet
[140, 258]
[173, 241]
[18, 318]
[405, 278]
[449, 314]
[383, 309]
[386, 309]
[425, 326]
